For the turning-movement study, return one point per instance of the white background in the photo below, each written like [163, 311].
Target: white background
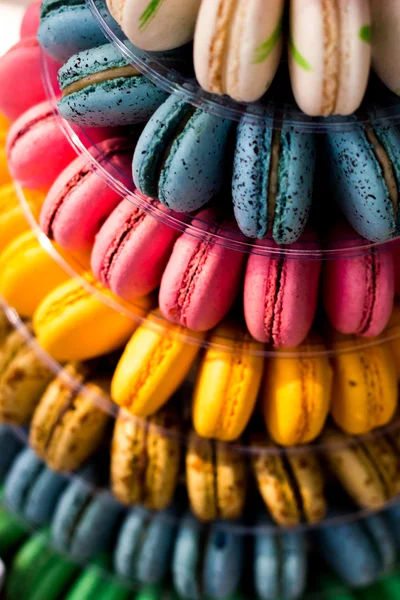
[11, 12]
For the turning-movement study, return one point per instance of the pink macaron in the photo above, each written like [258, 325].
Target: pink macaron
[132, 249]
[31, 20]
[281, 291]
[79, 201]
[396, 264]
[21, 78]
[38, 149]
[358, 284]
[202, 278]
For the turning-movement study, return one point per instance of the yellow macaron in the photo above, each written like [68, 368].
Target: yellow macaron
[27, 274]
[227, 384]
[12, 219]
[365, 391]
[296, 394]
[155, 363]
[5, 176]
[4, 127]
[72, 324]
[392, 334]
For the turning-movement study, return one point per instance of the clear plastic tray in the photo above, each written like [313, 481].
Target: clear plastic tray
[278, 96]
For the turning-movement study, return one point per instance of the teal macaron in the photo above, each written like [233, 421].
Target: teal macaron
[207, 562]
[273, 181]
[181, 156]
[85, 520]
[10, 445]
[100, 88]
[144, 545]
[31, 489]
[280, 562]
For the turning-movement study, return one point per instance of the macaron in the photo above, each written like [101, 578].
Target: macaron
[30, 20]
[238, 47]
[5, 176]
[216, 479]
[358, 288]
[70, 422]
[359, 552]
[31, 490]
[227, 384]
[12, 535]
[385, 42]
[95, 582]
[10, 446]
[23, 378]
[100, 88]
[368, 470]
[159, 25]
[202, 278]
[72, 324]
[67, 28]
[364, 169]
[280, 293]
[33, 141]
[296, 394]
[329, 55]
[291, 484]
[28, 274]
[144, 545]
[181, 155]
[79, 526]
[145, 459]
[22, 65]
[207, 562]
[80, 194]
[154, 364]
[280, 563]
[12, 218]
[364, 393]
[273, 180]
[132, 249]
[392, 334]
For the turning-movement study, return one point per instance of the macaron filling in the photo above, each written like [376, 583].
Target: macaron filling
[274, 300]
[370, 298]
[273, 182]
[125, 72]
[332, 56]
[218, 45]
[386, 165]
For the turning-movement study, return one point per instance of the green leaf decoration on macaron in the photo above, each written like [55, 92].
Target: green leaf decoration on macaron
[366, 34]
[149, 13]
[299, 58]
[262, 52]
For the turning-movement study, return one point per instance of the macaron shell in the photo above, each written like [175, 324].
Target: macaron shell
[368, 376]
[160, 25]
[23, 473]
[154, 364]
[21, 64]
[223, 561]
[201, 279]
[187, 557]
[359, 290]
[10, 447]
[43, 495]
[281, 295]
[384, 540]
[31, 19]
[227, 385]
[5, 176]
[385, 42]
[131, 251]
[12, 218]
[154, 558]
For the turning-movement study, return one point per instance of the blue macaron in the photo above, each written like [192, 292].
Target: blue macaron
[84, 521]
[280, 562]
[31, 489]
[101, 89]
[273, 181]
[207, 562]
[180, 157]
[364, 167]
[67, 28]
[359, 552]
[10, 446]
[144, 545]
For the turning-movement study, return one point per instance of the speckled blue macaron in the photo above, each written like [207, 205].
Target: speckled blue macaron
[144, 545]
[360, 552]
[68, 27]
[359, 183]
[10, 446]
[31, 489]
[121, 100]
[180, 157]
[259, 211]
[280, 563]
[79, 526]
[206, 563]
